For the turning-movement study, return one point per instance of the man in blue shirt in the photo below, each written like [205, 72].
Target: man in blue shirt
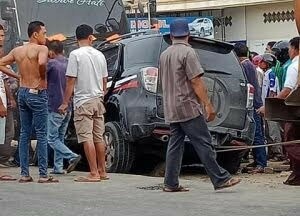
[58, 123]
[260, 154]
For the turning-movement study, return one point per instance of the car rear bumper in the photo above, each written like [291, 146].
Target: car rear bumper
[220, 135]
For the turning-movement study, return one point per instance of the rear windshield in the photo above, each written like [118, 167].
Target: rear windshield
[215, 58]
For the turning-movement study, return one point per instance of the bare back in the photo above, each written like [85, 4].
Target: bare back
[27, 59]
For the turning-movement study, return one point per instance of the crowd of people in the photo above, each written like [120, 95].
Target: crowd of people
[47, 83]
[272, 74]
[44, 103]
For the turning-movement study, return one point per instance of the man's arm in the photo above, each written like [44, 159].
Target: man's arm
[290, 83]
[68, 94]
[104, 74]
[194, 72]
[105, 85]
[8, 60]
[9, 95]
[284, 93]
[201, 92]
[42, 60]
[3, 110]
[69, 89]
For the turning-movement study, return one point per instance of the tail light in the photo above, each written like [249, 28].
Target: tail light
[250, 96]
[150, 78]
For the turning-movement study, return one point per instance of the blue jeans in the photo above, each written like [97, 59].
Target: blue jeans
[57, 128]
[197, 131]
[33, 113]
[260, 154]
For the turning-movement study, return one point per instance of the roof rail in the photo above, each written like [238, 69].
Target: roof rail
[72, 40]
[146, 32]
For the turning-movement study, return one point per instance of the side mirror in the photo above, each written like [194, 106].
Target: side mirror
[7, 12]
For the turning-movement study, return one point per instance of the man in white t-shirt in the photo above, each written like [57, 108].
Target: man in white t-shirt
[87, 78]
[291, 80]
[291, 129]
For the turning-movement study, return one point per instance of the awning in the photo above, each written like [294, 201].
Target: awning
[182, 5]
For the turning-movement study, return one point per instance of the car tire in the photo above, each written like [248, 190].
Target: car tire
[202, 33]
[230, 161]
[120, 153]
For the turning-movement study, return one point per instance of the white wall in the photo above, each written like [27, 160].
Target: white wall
[259, 33]
[237, 31]
[248, 24]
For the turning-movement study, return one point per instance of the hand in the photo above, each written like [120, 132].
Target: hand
[210, 112]
[3, 111]
[261, 111]
[13, 103]
[63, 109]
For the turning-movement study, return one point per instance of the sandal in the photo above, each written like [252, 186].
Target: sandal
[230, 183]
[257, 170]
[7, 178]
[26, 179]
[48, 180]
[178, 189]
[87, 179]
[104, 178]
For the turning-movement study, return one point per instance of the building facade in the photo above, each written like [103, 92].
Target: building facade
[254, 22]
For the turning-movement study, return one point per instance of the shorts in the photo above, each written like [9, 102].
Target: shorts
[89, 121]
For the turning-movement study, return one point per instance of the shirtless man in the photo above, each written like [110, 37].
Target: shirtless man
[32, 98]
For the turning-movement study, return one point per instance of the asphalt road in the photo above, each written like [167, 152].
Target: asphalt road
[140, 195]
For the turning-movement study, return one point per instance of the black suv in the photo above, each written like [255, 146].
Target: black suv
[135, 124]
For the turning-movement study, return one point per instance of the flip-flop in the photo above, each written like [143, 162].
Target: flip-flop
[104, 178]
[7, 178]
[230, 183]
[73, 164]
[86, 179]
[30, 179]
[178, 189]
[48, 181]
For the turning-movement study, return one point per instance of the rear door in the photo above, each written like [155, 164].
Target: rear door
[225, 81]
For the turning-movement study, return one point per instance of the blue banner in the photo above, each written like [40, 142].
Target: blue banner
[201, 26]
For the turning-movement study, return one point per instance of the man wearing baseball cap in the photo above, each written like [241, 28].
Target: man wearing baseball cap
[185, 101]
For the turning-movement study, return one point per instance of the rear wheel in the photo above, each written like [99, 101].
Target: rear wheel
[120, 153]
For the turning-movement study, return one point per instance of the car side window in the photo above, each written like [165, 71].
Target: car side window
[143, 51]
[111, 55]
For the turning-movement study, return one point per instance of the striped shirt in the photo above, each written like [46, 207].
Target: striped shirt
[179, 64]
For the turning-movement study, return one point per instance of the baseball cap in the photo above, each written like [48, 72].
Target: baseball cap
[179, 28]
